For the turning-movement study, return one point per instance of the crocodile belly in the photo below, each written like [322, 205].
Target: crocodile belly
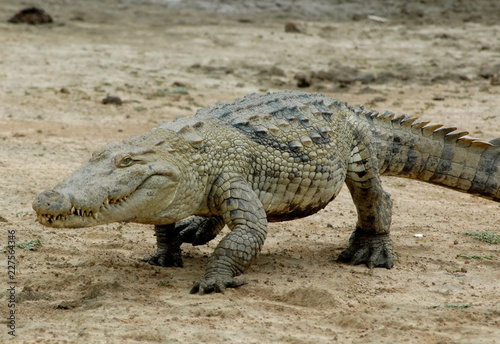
[293, 198]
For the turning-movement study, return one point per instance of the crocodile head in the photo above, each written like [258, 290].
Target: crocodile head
[128, 181]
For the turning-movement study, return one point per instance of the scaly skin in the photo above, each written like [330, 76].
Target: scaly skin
[272, 157]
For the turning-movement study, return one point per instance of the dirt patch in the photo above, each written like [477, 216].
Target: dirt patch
[166, 59]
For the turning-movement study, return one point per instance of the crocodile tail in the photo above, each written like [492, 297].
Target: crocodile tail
[411, 148]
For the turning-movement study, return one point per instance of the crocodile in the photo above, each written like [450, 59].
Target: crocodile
[266, 158]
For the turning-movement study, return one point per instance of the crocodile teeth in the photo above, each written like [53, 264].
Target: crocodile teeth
[111, 200]
[53, 218]
[79, 212]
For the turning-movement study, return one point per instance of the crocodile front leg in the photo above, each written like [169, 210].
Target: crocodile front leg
[370, 242]
[197, 230]
[242, 211]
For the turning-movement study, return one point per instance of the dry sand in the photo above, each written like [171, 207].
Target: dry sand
[164, 61]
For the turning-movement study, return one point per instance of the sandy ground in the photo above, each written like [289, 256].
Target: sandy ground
[165, 61]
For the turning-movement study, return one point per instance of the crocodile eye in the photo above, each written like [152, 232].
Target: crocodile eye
[125, 161]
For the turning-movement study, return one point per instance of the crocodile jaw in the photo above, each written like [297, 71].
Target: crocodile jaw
[60, 209]
[111, 210]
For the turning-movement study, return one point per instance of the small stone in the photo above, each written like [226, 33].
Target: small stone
[303, 79]
[367, 90]
[378, 99]
[69, 304]
[32, 16]
[295, 27]
[112, 100]
[179, 84]
[245, 20]
[276, 71]
[488, 71]
[463, 269]
[495, 80]
[455, 242]
[378, 19]
[366, 78]
[278, 82]
[358, 17]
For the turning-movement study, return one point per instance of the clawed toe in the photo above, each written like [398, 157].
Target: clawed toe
[217, 285]
[372, 250]
[165, 259]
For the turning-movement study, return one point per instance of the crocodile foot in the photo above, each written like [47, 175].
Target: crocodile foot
[199, 230]
[165, 258]
[372, 250]
[168, 251]
[215, 284]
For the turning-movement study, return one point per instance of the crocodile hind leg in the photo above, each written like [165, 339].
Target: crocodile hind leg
[370, 242]
[197, 230]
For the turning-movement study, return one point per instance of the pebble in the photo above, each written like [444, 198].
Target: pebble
[112, 100]
[495, 80]
[295, 27]
[303, 79]
[32, 16]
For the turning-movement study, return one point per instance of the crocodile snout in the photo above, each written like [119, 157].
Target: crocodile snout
[51, 202]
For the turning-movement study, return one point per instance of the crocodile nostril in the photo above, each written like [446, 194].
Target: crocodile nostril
[52, 202]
